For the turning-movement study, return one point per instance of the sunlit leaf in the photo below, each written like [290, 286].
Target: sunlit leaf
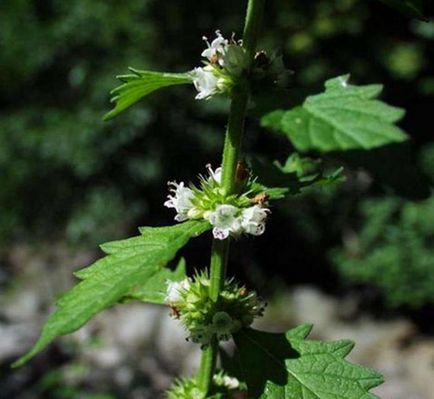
[344, 117]
[129, 264]
[139, 84]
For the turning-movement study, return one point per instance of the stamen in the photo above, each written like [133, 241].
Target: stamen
[205, 39]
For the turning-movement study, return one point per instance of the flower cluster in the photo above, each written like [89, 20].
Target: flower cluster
[230, 216]
[230, 220]
[181, 200]
[187, 388]
[204, 318]
[225, 61]
[223, 380]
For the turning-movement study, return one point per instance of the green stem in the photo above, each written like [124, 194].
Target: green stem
[207, 366]
[231, 156]
[233, 140]
[252, 26]
[219, 258]
[240, 98]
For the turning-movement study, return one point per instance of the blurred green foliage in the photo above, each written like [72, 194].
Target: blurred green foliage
[57, 61]
[393, 248]
[66, 174]
[54, 384]
[414, 8]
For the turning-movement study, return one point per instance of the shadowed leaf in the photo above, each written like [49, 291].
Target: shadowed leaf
[287, 366]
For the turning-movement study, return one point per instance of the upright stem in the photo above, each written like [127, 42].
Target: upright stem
[235, 129]
[219, 257]
[231, 156]
[219, 260]
[233, 140]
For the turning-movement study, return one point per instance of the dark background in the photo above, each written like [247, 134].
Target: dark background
[69, 179]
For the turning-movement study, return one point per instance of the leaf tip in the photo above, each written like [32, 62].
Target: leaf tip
[339, 81]
[23, 359]
[134, 70]
[344, 348]
[109, 115]
[17, 364]
[78, 274]
[301, 331]
[143, 230]
[104, 248]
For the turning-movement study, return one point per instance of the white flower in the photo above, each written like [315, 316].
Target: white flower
[205, 82]
[224, 60]
[181, 200]
[230, 220]
[231, 56]
[223, 380]
[216, 50]
[225, 220]
[174, 289]
[215, 175]
[253, 220]
[231, 382]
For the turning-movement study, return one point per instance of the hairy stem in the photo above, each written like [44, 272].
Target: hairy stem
[235, 129]
[231, 156]
[219, 255]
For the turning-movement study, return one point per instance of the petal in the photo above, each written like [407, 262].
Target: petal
[220, 234]
[169, 203]
[181, 218]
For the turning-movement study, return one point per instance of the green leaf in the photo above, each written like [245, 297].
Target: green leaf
[287, 366]
[273, 120]
[139, 84]
[295, 175]
[344, 117]
[130, 264]
[413, 8]
[154, 289]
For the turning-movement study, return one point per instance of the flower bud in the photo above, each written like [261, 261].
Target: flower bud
[205, 318]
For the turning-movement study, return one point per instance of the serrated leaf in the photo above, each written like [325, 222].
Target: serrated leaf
[130, 263]
[139, 84]
[344, 117]
[287, 366]
[295, 175]
[413, 8]
[154, 289]
[273, 120]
